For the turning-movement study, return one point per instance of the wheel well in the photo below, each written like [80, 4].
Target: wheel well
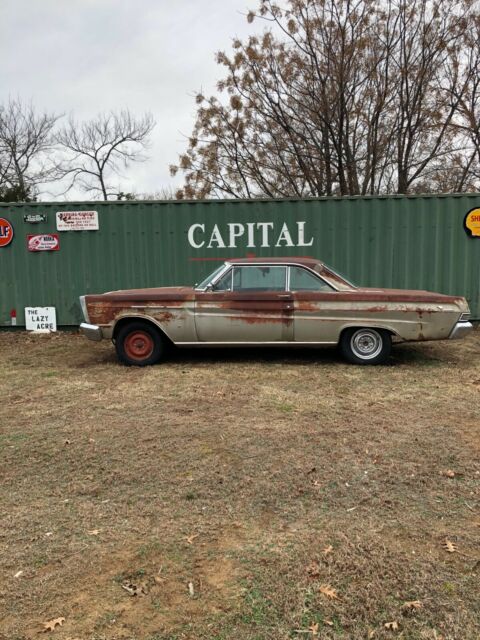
[362, 326]
[124, 321]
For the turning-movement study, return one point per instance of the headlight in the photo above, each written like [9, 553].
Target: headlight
[84, 309]
[465, 317]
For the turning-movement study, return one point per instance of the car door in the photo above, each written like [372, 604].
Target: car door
[315, 307]
[249, 304]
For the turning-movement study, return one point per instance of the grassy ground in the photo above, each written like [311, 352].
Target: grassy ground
[240, 495]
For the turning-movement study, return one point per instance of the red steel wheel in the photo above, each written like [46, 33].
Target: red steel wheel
[139, 343]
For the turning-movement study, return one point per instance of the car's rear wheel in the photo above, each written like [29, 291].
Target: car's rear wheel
[139, 344]
[365, 345]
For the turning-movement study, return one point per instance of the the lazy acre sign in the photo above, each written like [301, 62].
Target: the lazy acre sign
[40, 319]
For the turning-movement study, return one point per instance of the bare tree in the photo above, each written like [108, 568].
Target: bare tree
[466, 123]
[98, 149]
[337, 97]
[27, 149]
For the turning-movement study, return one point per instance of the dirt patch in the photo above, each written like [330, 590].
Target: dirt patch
[214, 495]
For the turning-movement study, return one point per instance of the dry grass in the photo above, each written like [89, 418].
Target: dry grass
[234, 472]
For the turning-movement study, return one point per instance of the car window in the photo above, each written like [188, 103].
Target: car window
[209, 278]
[225, 282]
[303, 280]
[258, 278]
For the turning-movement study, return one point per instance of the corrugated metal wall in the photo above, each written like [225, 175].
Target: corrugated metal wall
[415, 242]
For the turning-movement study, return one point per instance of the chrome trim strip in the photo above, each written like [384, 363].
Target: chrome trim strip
[460, 330]
[227, 266]
[276, 343]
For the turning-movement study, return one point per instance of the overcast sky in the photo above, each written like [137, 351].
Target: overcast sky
[87, 56]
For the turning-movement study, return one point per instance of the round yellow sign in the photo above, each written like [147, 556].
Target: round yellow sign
[472, 223]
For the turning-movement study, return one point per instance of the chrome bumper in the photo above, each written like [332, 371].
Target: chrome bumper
[460, 330]
[91, 331]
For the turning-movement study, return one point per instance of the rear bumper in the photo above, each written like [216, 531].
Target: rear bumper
[91, 331]
[460, 330]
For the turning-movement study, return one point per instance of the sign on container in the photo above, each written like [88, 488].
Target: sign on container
[43, 242]
[77, 221]
[40, 319]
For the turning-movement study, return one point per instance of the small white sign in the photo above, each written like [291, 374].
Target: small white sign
[40, 319]
[77, 221]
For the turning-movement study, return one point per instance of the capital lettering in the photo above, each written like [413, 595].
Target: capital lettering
[236, 231]
[265, 227]
[217, 238]
[285, 237]
[191, 236]
[301, 236]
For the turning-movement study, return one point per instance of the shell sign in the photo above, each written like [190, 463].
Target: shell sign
[6, 232]
[472, 223]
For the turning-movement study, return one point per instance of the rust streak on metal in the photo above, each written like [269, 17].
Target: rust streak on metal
[164, 316]
[378, 309]
[254, 319]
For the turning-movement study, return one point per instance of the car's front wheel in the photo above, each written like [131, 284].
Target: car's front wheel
[365, 345]
[139, 344]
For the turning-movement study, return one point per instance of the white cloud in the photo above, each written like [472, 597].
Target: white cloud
[87, 56]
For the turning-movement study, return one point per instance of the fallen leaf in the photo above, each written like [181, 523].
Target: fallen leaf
[393, 626]
[191, 538]
[329, 591]
[313, 628]
[327, 550]
[448, 473]
[134, 590]
[18, 574]
[313, 570]
[449, 546]
[329, 622]
[51, 624]
[49, 533]
[94, 532]
[413, 604]
[191, 590]
[371, 634]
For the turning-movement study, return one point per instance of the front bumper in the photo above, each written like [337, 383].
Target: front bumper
[91, 331]
[460, 330]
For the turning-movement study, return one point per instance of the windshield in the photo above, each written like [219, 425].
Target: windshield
[210, 277]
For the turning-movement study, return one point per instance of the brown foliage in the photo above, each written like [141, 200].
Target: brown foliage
[341, 98]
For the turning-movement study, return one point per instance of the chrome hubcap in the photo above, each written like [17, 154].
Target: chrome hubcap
[366, 343]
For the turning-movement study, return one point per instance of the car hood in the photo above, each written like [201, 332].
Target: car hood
[152, 294]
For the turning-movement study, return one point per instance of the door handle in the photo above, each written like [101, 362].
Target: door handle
[285, 295]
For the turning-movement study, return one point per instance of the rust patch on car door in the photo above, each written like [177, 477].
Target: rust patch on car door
[230, 316]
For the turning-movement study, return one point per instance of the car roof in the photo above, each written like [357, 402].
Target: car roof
[305, 261]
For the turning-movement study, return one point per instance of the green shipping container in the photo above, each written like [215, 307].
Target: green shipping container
[415, 242]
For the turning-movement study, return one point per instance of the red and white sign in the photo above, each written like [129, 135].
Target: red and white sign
[77, 221]
[43, 242]
[6, 232]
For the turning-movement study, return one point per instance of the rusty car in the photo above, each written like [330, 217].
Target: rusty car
[267, 302]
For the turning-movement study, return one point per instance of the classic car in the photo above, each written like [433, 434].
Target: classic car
[274, 301]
